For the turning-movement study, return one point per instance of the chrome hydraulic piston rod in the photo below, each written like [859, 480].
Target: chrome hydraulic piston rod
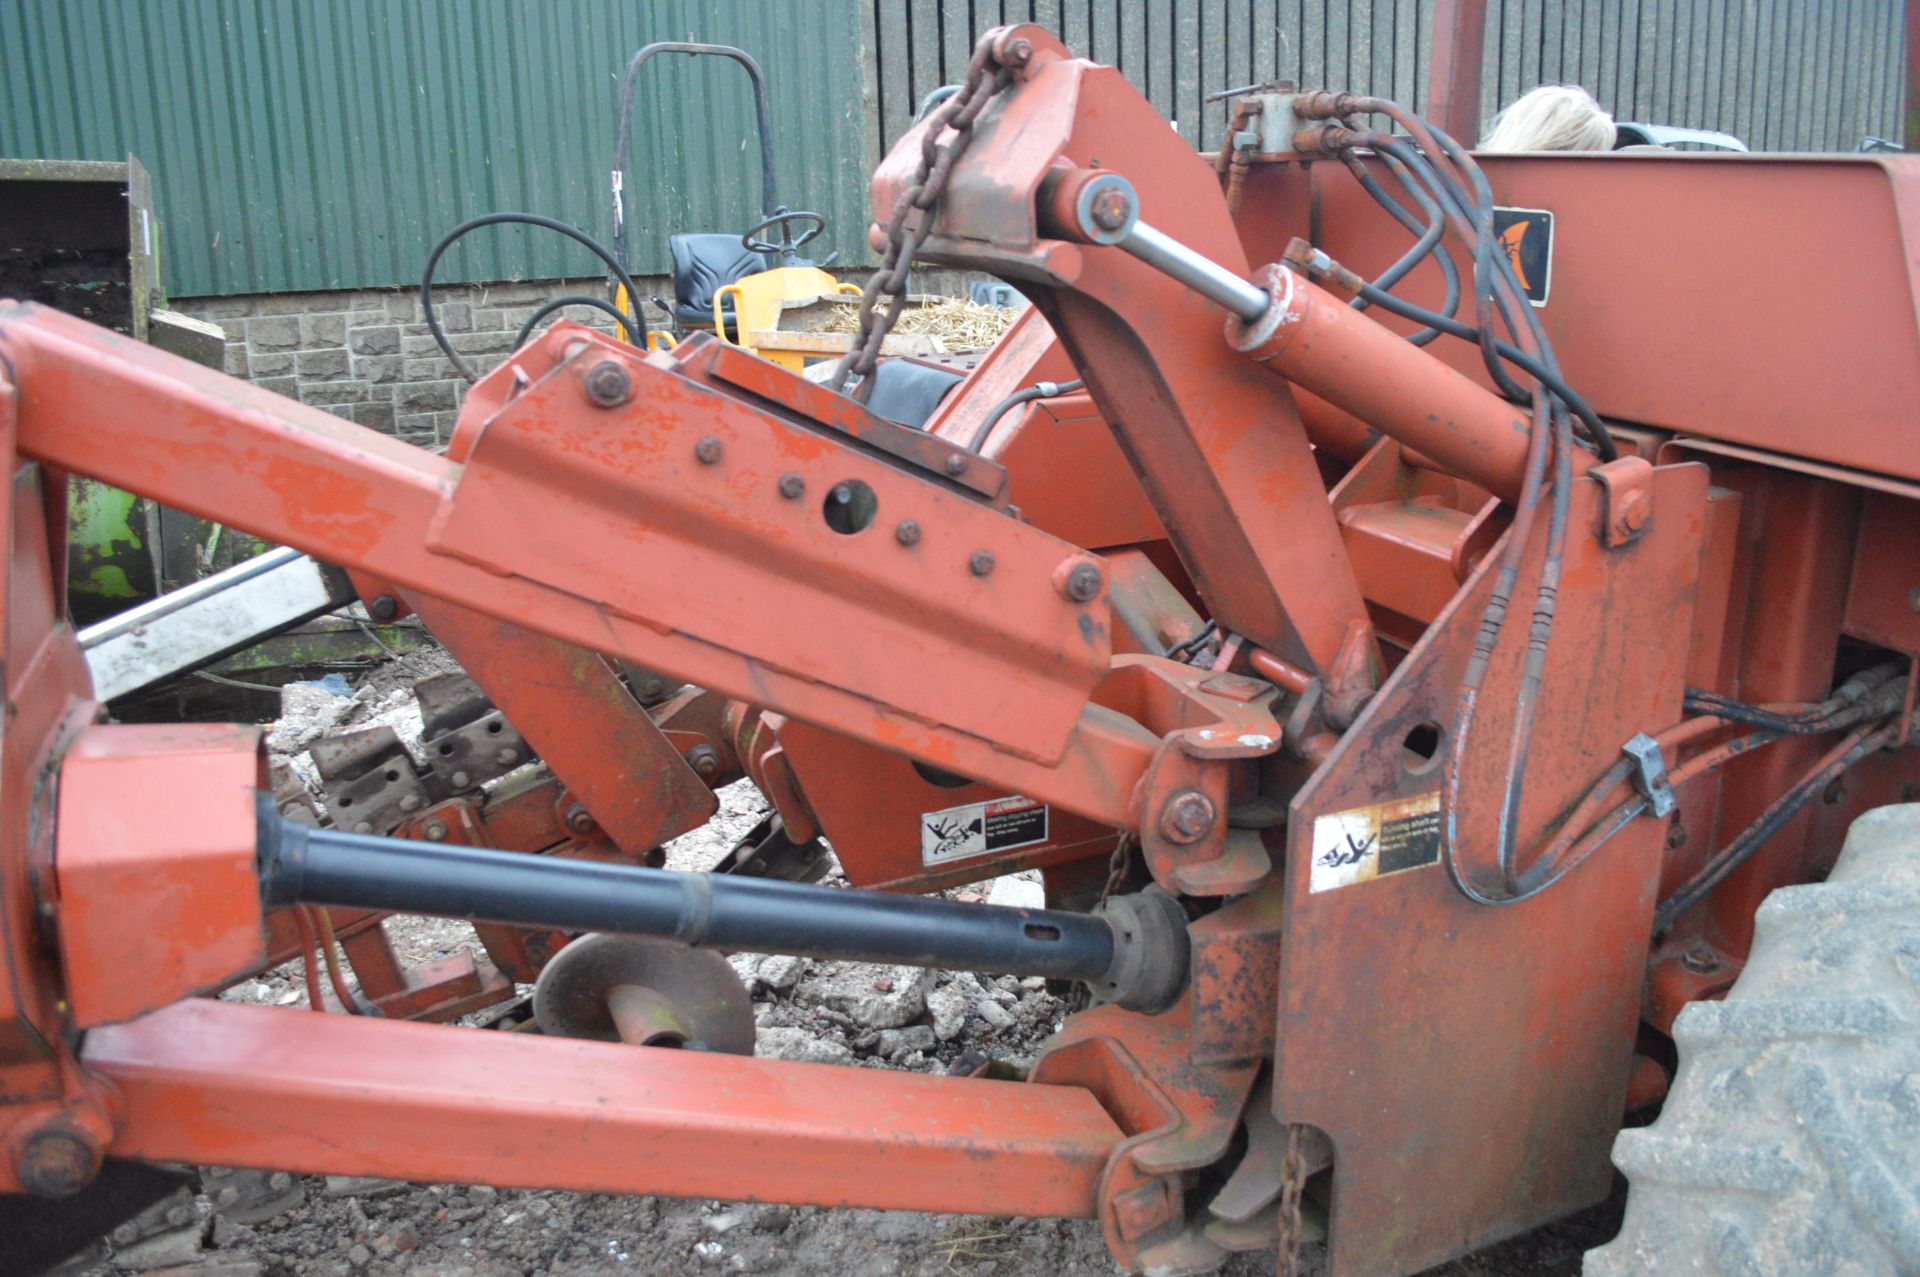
[1293, 326]
[1133, 952]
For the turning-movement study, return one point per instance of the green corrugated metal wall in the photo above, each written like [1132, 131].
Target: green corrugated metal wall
[1176, 52]
[1780, 74]
[309, 144]
[318, 144]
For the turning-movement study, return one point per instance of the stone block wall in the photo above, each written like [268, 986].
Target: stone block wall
[367, 355]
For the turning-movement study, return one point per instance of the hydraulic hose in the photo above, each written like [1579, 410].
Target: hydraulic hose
[525, 219]
[1597, 430]
[1027, 394]
[636, 335]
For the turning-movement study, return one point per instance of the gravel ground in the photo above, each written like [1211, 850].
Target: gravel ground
[852, 1014]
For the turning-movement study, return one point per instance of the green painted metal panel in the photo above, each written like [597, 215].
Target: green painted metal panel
[318, 144]
[321, 144]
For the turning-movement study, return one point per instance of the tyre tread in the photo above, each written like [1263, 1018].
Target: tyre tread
[1790, 1140]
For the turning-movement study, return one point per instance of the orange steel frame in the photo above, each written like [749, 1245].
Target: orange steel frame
[561, 530]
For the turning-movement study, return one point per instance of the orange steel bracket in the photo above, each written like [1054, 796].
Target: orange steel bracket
[48, 698]
[1217, 444]
[584, 723]
[1179, 1118]
[1499, 1038]
[871, 806]
[678, 515]
[603, 527]
[159, 890]
[231, 1085]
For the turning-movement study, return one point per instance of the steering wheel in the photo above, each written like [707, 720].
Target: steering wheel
[784, 220]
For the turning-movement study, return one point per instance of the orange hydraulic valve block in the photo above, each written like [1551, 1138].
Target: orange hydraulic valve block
[1311, 337]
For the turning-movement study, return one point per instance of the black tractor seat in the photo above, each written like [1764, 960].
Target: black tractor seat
[702, 265]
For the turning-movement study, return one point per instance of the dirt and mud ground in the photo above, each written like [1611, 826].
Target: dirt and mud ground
[849, 1014]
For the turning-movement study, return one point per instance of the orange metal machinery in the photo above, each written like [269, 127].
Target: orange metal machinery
[1407, 988]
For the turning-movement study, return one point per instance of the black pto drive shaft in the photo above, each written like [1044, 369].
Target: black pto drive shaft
[1133, 952]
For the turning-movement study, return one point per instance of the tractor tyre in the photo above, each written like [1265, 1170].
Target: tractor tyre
[1790, 1141]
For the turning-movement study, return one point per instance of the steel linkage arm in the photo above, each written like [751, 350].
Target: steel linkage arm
[650, 508]
[1216, 442]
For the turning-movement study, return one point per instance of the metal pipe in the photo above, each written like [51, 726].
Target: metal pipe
[1315, 340]
[1203, 275]
[1297, 329]
[326, 866]
[1459, 44]
[1410, 395]
[1099, 206]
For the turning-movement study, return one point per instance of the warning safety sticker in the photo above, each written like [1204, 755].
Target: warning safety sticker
[981, 829]
[1365, 843]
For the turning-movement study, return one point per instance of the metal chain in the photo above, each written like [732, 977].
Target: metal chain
[1117, 861]
[985, 78]
[1292, 1181]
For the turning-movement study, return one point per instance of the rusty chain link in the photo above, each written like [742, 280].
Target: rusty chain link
[1116, 866]
[1117, 861]
[985, 78]
[1292, 1181]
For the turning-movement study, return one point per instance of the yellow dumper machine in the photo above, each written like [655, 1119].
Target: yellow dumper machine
[737, 287]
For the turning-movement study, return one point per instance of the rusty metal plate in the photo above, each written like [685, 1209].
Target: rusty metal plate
[427, 1102]
[803, 401]
[1757, 355]
[674, 513]
[1494, 1040]
[1883, 598]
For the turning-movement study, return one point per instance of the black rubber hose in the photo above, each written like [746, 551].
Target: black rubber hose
[525, 219]
[1429, 242]
[1596, 429]
[580, 299]
[1504, 267]
[1042, 390]
[1750, 839]
[1867, 696]
[1486, 274]
[1852, 701]
[1436, 227]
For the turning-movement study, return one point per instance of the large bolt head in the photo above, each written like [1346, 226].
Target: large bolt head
[608, 384]
[705, 761]
[981, 563]
[1082, 583]
[1636, 510]
[58, 1162]
[1187, 817]
[1110, 208]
